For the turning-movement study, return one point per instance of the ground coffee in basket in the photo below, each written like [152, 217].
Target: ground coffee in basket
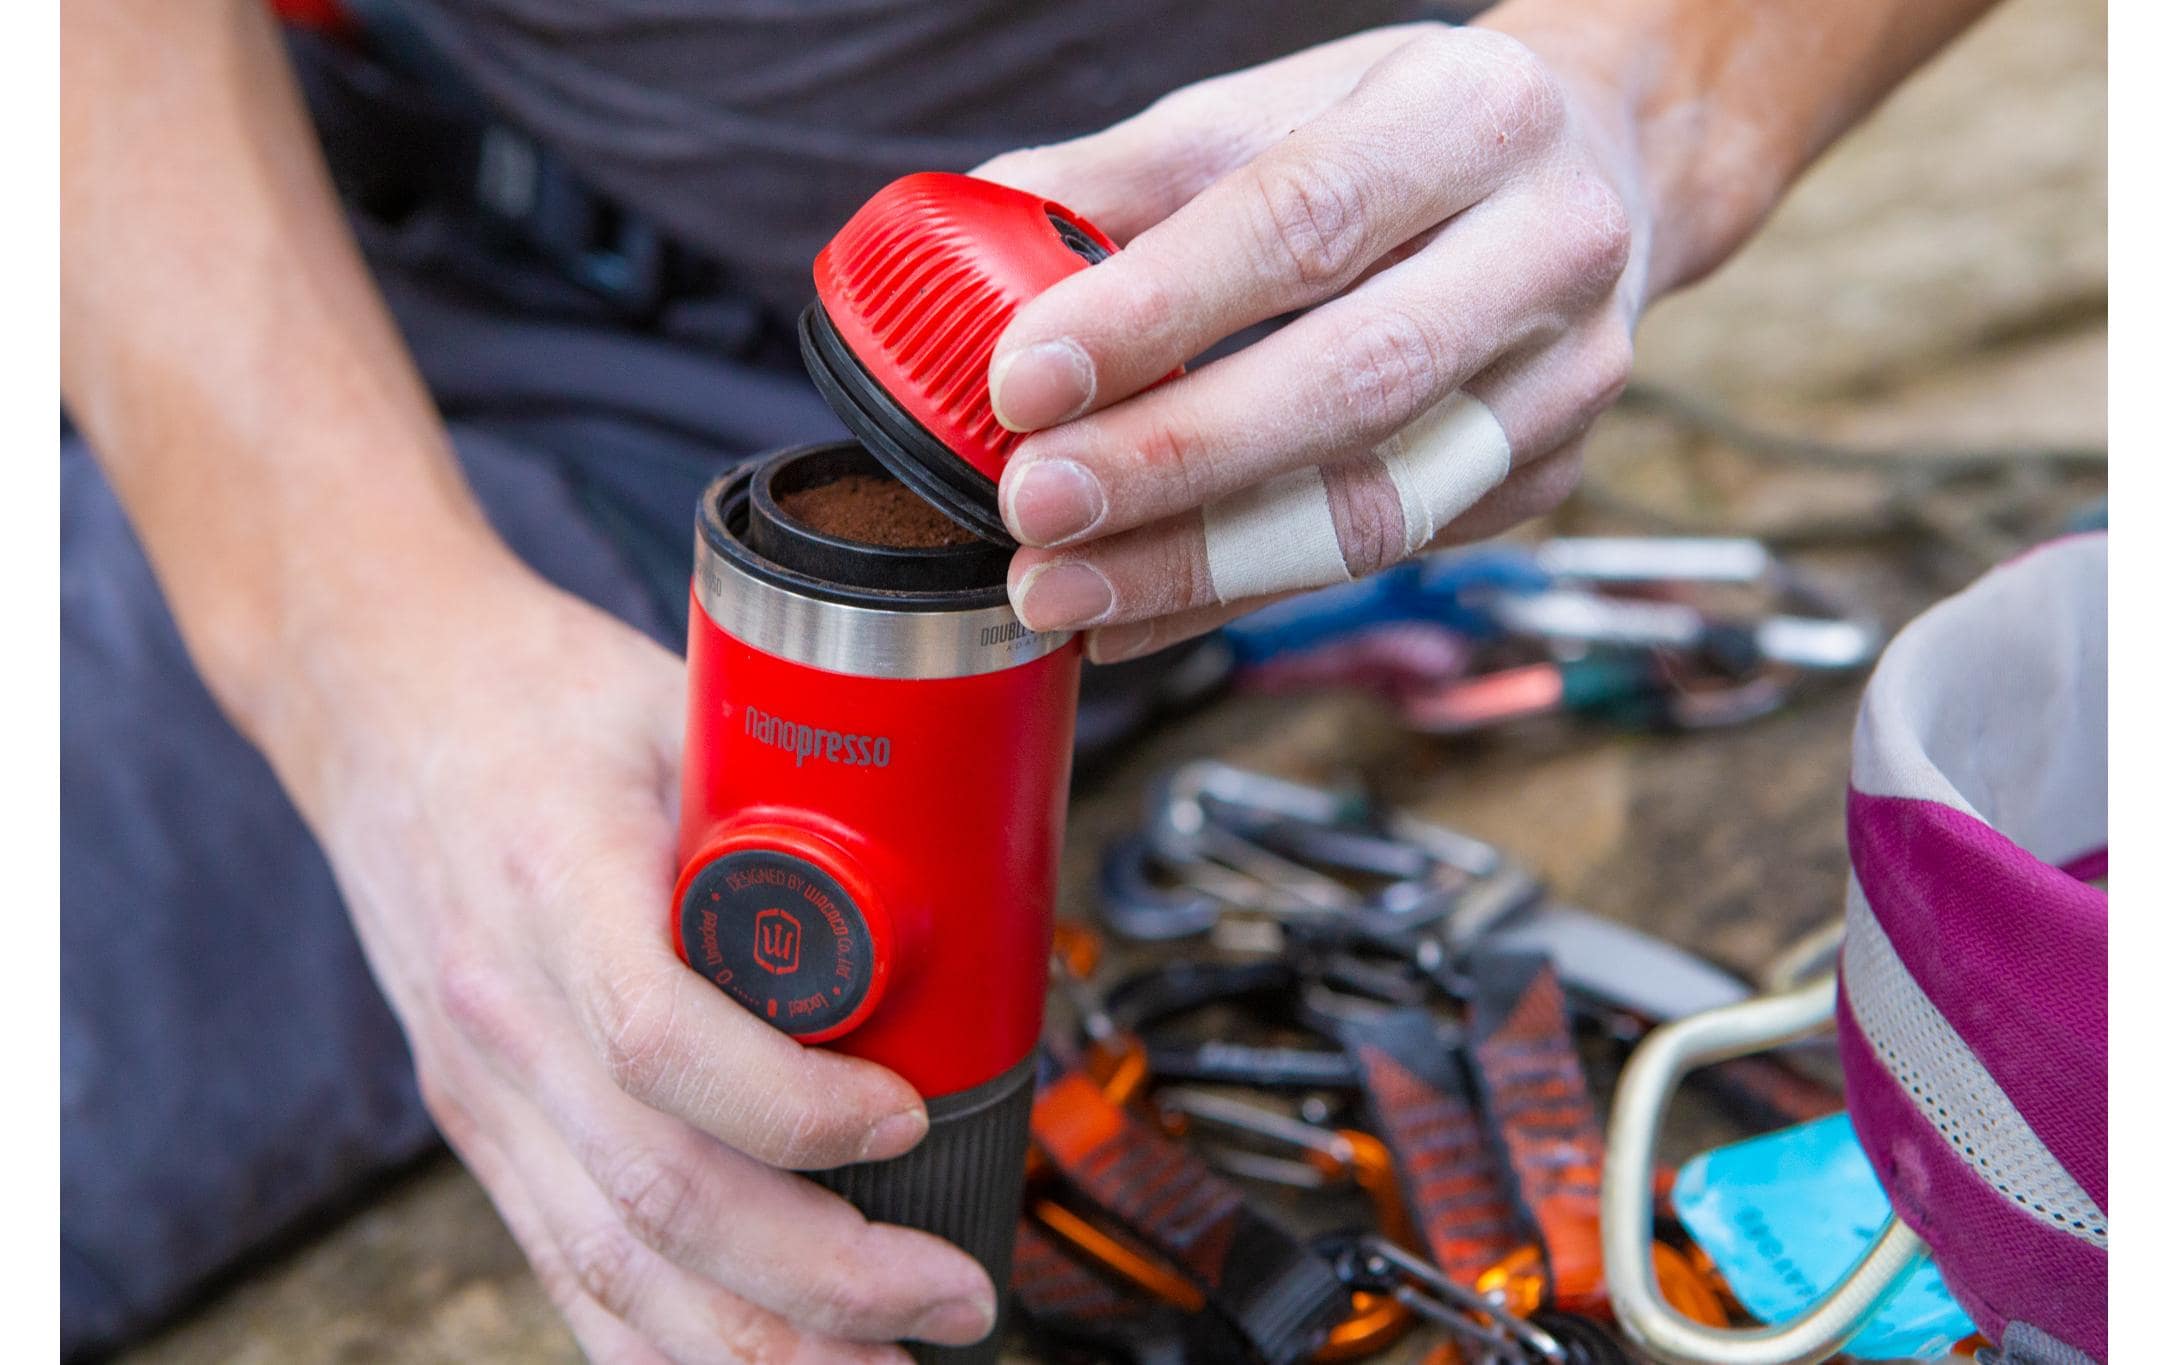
[872, 510]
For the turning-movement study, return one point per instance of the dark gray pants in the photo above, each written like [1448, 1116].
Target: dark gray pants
[227, 1065]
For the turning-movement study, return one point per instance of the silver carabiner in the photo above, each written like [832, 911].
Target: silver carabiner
[1480, 1320]
[1810, 955]
[1629, 1168]
[1655, 559]
[1835, 645]
[1202, 1107]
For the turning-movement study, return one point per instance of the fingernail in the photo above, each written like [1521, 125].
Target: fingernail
[1051, 501]
[1042, 385]
[1063, 596]
[894, 1135]
[954, 1322]
[1112, 644]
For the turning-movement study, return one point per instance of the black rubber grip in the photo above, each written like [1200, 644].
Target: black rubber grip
[964, 1183]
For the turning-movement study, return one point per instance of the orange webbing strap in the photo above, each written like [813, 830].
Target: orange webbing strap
[1537, 1106]
[1418, 1092]
[1065, 1302]
[1277, 1295]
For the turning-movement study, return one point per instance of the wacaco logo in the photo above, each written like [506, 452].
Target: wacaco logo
[775, 941]
[809, 741]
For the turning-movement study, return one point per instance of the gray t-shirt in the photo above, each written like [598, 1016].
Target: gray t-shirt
[752, 128]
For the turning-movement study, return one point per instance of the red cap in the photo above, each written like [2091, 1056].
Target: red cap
[917, 287]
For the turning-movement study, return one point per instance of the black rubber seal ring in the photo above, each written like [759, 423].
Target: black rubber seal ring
[772, 532]
[725, 508]
[913, 454]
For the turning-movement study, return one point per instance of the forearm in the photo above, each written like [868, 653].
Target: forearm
[1731, 100]
[229, 359]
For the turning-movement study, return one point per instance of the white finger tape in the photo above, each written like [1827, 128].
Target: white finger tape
[1442, 463]
[1272, 536]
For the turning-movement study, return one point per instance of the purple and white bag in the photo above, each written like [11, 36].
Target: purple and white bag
[1971, 999]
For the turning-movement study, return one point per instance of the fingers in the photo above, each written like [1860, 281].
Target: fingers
[662, 1201]
[1430, 129]
[585, 900]
[1134, 630]
[769, 1237]
[1114, 644]
[1342, 378]
[693, 1245]
[1548, 396]
[672, 1041]
[1132, 175]
[694, 1317]
[1534, 490]
[1537, 489]
[602, 1337]
[593, 1258]
[1352, 517]
[662, 1034]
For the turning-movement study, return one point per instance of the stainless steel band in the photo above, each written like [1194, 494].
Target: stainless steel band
[863, 641]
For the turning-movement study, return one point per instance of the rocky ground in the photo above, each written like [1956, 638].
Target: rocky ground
[1938, 286]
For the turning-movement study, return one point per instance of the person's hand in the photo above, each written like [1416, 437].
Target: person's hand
[494, 777]
[1461, 220]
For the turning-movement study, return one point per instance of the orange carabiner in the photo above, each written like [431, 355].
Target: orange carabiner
[1116, 1064]
[1340, 1156]
[1521, 1284]
[1118, 1256]
[1078, 948]
[1686, 1286]
[1378, 1320]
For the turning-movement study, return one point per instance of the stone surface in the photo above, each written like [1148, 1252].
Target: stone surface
[1970, 209]
[1937, 285]
[425, 1274]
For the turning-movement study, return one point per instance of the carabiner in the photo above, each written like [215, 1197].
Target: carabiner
[1832, 639]
[1325, 1157]
[1141, 910]
[1257, 1067]
[1520, 1282]
[1335, 1155]
[1117, 1255]
[1589, 618]
[1371, 1262]
[1114, 1057]
[1656, 559]
[1644, 1091]
[1810, 955]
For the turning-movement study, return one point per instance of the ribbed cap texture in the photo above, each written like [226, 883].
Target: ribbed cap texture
[922, 281]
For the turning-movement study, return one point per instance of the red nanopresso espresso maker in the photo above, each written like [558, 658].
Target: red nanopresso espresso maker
[877, 751]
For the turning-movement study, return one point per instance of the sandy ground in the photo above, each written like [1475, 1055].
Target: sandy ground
[1938, 283]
